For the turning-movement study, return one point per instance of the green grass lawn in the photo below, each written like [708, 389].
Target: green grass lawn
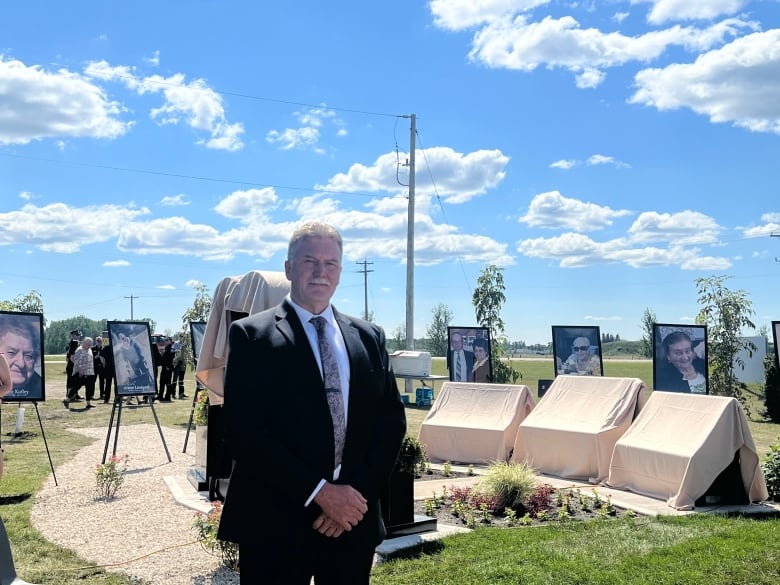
[694, 549]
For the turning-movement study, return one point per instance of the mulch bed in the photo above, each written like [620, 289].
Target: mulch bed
[564, 505]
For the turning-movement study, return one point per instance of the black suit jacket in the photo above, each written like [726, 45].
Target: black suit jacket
[469, 364]
[279, 430]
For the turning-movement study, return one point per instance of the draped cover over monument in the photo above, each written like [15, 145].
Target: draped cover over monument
[680, 443]
[474, 423]
[574, 427]
[241, 296]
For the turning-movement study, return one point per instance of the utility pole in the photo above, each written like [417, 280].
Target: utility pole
[131, 297]
[365, 272]
[410, 249]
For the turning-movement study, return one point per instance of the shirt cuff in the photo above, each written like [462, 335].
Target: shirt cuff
[314, 493]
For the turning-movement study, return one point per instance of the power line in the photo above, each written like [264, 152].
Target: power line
[183, 176]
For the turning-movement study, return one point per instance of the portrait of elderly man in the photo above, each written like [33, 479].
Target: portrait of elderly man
[20, 344]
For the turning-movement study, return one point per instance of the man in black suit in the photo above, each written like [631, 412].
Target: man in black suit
[461, 361]
[295, 511]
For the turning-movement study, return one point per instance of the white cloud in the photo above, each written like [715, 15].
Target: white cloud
[737, 83]
[193, 103]
[670, 10]
[458, 177]
[600, 159]
[248, 206]
[599, 318]
[461, 14]
[175, 200]
[554, 211]
[520, 44]
[770, 226]
[166, 287]
[564, 164]
[576, 251]
[41, 227]
[683, 228]
[193, 283]
[116, 263]
[40, 104]
[308, 134]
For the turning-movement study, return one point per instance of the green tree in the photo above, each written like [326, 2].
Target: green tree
[488, 298]
[648, 320]
[58, 332]
[438, 342]
[397, 341]
[27, 303]
[198, 311]
[726, 313]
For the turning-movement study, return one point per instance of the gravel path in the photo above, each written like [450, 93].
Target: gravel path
[143, 532]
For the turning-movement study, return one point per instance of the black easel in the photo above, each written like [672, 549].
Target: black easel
[43, 434]
[117, 410]
[198, 388]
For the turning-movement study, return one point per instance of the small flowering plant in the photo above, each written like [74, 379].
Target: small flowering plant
[110, 476]
[201, 413]
[205, 526]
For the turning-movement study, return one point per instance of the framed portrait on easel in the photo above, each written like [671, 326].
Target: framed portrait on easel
[468, 356]
[21, 342]
[197, 333]
[577, 350]
[680, 358]
[131, 342]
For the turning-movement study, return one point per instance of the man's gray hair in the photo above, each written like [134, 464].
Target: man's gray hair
[313, 229]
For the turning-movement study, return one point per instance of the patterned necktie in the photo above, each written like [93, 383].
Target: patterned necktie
[330, 375]
[458, 371]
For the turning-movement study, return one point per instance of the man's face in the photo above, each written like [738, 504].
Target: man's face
[20, 355]
[457, 342]
[314, 272]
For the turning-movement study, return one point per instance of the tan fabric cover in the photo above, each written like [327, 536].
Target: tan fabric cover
[251, 293]
[474, 423]
[575, 425]
[680, 443]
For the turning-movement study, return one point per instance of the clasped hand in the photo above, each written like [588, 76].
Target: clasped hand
[342, 508]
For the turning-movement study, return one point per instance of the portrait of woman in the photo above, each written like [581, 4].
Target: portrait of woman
[481, 370]
[577, 350]
[680, 362]
[582, 361]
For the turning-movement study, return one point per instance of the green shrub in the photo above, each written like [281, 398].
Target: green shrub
[771, 469]
[509, 483]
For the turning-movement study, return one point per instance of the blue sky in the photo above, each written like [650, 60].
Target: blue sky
[604, 154]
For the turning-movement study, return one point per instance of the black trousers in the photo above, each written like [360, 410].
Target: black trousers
[87, 382]
[105, 380]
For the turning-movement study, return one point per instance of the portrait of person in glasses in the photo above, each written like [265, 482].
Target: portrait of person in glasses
[582, 361]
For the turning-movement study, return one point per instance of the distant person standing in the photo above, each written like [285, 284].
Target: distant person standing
[107, 375]
[83, 373]
[73, 345]
[179, 369]
[461, 361]
[166, 392]
[98, 345]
